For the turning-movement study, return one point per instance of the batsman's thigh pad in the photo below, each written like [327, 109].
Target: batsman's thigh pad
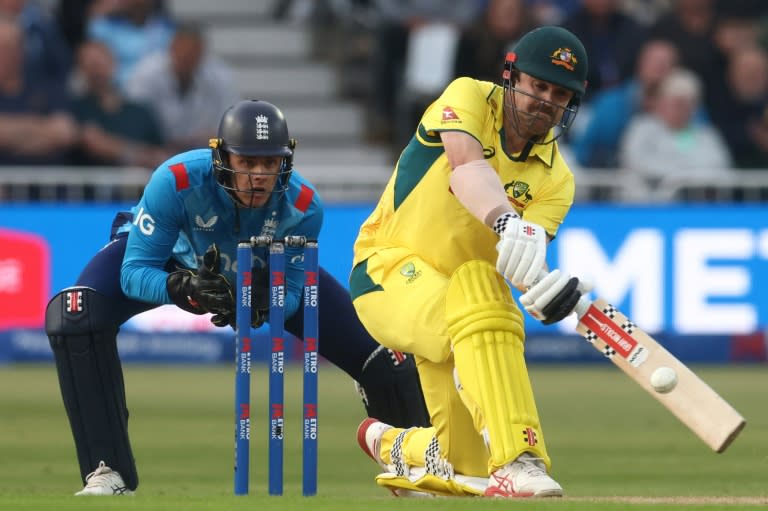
[400, 301]
[486, 330]
[82, 331]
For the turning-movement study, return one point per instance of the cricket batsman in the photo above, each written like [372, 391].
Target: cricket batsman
[474, 199]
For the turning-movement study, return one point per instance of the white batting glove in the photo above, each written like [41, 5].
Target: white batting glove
[554, 297]
[522, 249]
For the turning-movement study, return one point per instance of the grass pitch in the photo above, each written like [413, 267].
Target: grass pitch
[613, 446]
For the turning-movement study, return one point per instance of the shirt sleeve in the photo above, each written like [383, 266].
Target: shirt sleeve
[157, 221]
[461, 107]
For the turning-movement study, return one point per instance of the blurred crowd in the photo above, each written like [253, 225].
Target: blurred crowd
[672, 83]
[104, 82]
[679, 84]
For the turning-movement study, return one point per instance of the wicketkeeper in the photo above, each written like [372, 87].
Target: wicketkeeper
[178, 246]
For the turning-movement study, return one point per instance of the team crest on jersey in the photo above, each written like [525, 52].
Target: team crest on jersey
[270, 226]
[518, 193]
[409, 271]
[205, 225]
[564, 57]
[449, 115]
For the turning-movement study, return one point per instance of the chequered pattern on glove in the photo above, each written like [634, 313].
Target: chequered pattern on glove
[500, 225]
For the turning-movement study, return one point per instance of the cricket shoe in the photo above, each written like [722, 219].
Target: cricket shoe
[104, 481]
[369, 434]
[525, 477]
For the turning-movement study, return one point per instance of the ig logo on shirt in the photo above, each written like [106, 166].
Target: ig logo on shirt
[144, 222]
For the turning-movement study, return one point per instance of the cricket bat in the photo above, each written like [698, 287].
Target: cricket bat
[636, 353]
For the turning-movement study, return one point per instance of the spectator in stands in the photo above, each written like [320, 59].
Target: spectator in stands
[612, 110]
[47, 56]
[690, 26]
[187, 87]
[734, 32]
[115, 131]
[484, 44]
[667, 140]
[551, 12]
[398, 21]
[742, 115]
[612, 40]
[72, 18]
[35, 126]
[131, 29]
[646, 12]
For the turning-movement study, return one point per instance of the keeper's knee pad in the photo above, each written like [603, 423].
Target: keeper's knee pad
[391, 390]
[82, 331]
[486, 330]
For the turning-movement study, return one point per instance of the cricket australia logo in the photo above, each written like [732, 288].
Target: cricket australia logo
[409, 270]
[205, 225]
[564, 57]
[518, 193]
[262, 127]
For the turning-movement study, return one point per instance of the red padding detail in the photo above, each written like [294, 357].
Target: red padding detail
[180, 173]
[304, 199]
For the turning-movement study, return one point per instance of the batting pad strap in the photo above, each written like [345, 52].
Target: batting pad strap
[462, 486]
[478, 188]
[398, 457]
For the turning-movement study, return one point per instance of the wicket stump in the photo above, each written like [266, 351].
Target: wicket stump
[277, 291]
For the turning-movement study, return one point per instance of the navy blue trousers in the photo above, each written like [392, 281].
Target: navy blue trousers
[343, 340]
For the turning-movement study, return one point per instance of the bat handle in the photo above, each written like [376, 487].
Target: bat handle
[582, 306]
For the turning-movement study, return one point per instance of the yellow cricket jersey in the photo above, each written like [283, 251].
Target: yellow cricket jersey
[418, 209]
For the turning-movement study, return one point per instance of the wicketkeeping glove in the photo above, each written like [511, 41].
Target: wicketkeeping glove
[522, 249]
[206, 290]
[259, 302]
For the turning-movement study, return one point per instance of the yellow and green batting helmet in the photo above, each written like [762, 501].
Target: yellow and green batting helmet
[552, 54]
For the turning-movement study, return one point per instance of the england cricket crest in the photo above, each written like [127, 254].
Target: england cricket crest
[270, 226]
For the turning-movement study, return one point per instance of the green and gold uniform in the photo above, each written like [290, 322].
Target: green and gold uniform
[407, 254]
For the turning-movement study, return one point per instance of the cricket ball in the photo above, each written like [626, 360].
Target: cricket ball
[663, 380]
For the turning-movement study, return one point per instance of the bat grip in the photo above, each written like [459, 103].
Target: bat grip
[581, 306]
